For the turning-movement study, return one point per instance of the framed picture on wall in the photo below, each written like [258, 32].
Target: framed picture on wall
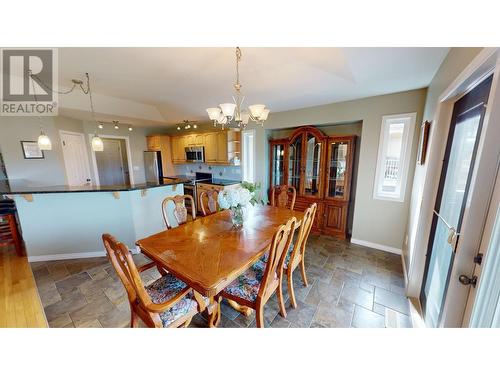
[422, 143]
[31, 150]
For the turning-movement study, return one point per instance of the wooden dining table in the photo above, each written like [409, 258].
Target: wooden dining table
[208, 253]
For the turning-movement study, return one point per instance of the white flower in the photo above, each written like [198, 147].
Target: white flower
[234, 197]
[245, 196]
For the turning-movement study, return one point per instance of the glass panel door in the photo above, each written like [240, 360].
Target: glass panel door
[338, 166]
[295, 163]
[450, 203]
[278, 164]
[313, 165]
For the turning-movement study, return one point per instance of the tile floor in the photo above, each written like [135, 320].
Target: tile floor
[349, 286]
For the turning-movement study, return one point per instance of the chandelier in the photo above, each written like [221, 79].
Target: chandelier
[232, 114]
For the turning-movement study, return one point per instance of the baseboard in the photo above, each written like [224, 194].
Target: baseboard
[377, 246]
[65, 256]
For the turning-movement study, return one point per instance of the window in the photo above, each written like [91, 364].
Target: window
[248, 162]
[396, 135]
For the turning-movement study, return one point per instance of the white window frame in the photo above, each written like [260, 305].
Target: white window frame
[244, 162]
[408, 119]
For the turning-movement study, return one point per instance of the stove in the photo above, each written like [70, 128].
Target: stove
[190, 187]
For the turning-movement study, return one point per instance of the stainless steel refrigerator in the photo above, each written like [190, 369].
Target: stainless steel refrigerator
[153, 167]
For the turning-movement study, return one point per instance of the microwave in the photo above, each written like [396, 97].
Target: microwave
[195, 154]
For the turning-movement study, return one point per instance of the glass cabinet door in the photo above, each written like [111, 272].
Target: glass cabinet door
[294, 163]
[278, 164]
[312, 178]
[337, 178]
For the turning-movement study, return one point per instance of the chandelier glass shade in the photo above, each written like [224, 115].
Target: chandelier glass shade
[232, 114]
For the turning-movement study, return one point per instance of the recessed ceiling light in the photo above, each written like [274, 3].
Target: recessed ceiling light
[130, 129]
[100, 126]
[117, 127]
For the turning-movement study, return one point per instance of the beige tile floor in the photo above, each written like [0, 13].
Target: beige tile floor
[349, 286]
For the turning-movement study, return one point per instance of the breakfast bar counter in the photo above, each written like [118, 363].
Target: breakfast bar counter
[63, 222]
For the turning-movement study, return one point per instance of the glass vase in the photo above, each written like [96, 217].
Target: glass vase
[237, 216]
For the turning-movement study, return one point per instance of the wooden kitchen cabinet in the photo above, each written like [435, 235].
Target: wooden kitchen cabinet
[221, 147]
[205, 187]
[153, 142]
[178, 153]
[210, 143]
[163, 144]
[222, 156]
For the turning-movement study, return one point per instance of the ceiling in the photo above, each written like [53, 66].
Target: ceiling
[182, 82]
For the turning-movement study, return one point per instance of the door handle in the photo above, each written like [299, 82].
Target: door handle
[465, 280]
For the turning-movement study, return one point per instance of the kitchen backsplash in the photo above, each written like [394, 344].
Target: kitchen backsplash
[218, 171]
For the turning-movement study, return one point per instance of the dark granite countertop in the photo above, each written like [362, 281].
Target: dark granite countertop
[222, 182]
[25, 187]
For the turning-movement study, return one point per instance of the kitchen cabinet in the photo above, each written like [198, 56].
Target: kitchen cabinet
[153, 142]
[178, 152]
[205, 187]
[163, 144]
[320, 169]
[221, 147]
[222, 156]
[210, 144]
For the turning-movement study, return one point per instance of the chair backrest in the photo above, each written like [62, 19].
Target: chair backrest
[124, 265]
[208, 202]
[305, 228]
[180, 211]
[280, 197]
[277, 253]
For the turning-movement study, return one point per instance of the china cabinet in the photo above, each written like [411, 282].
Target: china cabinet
[320, 169]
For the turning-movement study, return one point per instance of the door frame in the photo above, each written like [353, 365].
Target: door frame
[82, 135]
[489, 255]
[129, 156]
[483, 65]
[471, 101]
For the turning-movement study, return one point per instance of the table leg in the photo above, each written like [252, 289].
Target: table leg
[214, 312]
[240, 308]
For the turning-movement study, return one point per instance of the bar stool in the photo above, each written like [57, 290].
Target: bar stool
[9, 233]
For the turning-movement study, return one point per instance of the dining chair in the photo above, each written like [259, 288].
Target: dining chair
[254, 288]
[296, 256]
[180, 212]
[166, 302]
[208, 202]
[280, 196]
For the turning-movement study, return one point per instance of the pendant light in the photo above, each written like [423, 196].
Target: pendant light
[44, 143]
[96, 143]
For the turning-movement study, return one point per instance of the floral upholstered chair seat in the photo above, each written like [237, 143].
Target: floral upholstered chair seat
[247, 285]
[166, 288]
[263, 259]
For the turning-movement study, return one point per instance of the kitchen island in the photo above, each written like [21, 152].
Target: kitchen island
[64, 222]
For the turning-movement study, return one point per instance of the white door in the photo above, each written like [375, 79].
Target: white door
[76, 159]
[110, 163]
[483, 303]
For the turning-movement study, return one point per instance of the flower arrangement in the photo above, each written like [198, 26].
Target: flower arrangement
[237, 199]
